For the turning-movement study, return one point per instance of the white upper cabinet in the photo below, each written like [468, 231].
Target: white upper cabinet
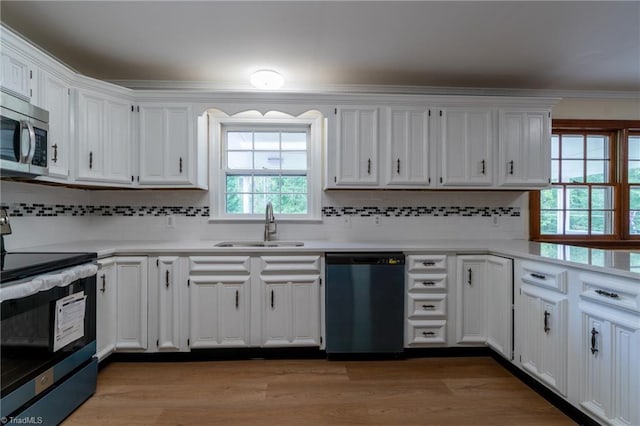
[466, 141]
[104, 138]
[525, 148]
[408, 160]
[354, 148]
[167, 144]
[16, 73]
[53, 96]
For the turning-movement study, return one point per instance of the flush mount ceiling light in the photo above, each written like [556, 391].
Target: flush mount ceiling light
[266, 79]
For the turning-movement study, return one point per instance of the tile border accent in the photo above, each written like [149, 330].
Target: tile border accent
[52, 210]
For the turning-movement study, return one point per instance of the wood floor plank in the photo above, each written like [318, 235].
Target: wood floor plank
[421, 391]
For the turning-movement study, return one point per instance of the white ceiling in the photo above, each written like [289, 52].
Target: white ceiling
[586, 46]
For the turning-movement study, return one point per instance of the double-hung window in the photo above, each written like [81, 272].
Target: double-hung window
[595, 184]
[264, 165]
[259, 160]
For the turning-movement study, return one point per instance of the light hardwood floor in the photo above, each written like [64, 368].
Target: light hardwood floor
[420, 391]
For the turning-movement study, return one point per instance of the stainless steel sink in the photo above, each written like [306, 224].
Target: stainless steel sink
[260, 244]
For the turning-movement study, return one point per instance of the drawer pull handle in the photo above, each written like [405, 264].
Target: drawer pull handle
[428, 333]
[594, 333]
[538, 276]
[608, 294]
[429, 306]
[428, 283]
[546, 321]
[429, 263]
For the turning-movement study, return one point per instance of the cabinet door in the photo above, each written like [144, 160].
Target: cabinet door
[16, 74]
[499, 302]
[625, 373]
[408, 137]
[117, 150]
[105, 309]
[276, 327]
[525, 148]
[543, 335]
[91, 134]
[356, 147]
[55, 99]
[305, 311]
[219, 311]
[131, 305]
[470, 318]
[167, 139]
[466, 141]
[169, 313]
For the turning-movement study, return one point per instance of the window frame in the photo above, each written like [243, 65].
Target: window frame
[620, 131]
[254, 121]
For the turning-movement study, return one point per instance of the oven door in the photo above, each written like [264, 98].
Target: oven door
[45, 336]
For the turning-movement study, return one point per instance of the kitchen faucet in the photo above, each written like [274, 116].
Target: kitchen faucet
[269, 219]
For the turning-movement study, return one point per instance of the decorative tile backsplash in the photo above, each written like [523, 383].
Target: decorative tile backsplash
[34, 209]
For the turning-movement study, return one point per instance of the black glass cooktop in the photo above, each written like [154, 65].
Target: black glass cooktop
[16, 266]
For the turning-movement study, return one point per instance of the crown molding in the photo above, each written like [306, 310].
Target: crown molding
[339, 89]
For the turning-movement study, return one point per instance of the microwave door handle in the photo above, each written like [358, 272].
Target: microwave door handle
[32, 143]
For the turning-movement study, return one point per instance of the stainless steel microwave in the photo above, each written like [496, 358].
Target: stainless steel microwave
[23, 137]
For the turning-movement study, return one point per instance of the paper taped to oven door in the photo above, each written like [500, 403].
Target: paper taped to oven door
[69, 321]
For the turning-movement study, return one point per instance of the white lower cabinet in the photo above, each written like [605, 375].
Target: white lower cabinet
[219, 301]
[426, 302]
[105, 308]
[499, 305]
[542, 325]
[470, 306]
[167, 304]
[269, 301]
[131, 303]
[291, 300]
[610, 351]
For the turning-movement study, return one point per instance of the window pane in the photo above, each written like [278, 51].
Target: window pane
[265, 184]
[294, 141]
[239, 140]
[238, 183]
[550, 222]
[634, 222]
[572, 171]
[267, 160]
[634, 171]
[601, 222]
[555, 171]
[239, 160]
[597, 147]
[634, 198]
[239, 203]
[294, 160]
[634, 147]
[572, 146]
[602, 197]
[260, 203]
[294, 203]
[267, 141]
[555, 146]
[296, 184]
[577, 222]
[578, 198]
[551, 199]
[597, 171]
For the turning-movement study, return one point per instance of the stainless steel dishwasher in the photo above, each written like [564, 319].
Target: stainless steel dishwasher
[364, 303]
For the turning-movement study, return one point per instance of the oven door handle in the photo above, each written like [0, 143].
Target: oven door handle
[46, 282]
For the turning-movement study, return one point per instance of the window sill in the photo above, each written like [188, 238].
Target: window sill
[261, 220]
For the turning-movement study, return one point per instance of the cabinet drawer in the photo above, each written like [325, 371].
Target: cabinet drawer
[290, 264]
[543, 275]
[426, 306]
[426, 332]
[220, 264]
[426, 262]
[427, 282]
[607, 290]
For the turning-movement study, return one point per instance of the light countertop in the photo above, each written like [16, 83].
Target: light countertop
[623, 263]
